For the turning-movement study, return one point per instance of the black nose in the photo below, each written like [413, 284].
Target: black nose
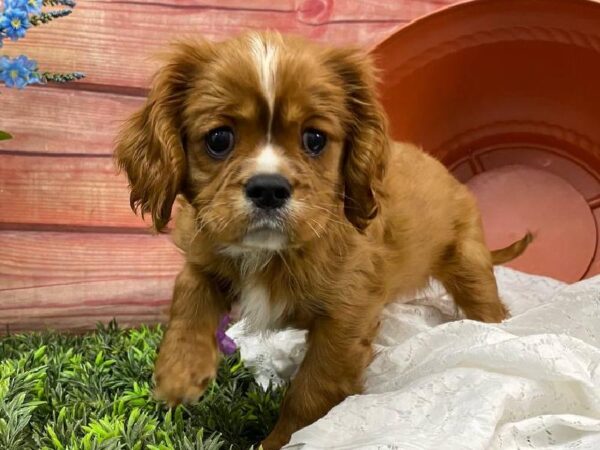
[268, 191]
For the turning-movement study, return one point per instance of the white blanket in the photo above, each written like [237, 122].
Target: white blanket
[443, 383]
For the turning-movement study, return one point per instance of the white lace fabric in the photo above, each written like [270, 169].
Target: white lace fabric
[439, 382]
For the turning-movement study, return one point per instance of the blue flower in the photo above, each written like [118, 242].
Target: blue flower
[31, 6]
[18, 72]
[14, 23]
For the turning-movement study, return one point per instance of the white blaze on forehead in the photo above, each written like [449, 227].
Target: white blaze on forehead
[265, 55]
[268, 160]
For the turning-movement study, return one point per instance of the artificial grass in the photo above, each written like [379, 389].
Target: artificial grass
[93, 391]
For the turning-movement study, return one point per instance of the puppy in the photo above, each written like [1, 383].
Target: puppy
[297, 205]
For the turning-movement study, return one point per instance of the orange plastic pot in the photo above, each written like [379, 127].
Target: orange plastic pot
[507, 94]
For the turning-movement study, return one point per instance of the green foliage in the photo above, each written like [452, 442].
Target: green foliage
[61, 77]
[94, 392]
[4, 136]
[46, 17]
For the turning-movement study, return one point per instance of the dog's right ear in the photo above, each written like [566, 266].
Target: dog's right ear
[367, 147]
[149, 145]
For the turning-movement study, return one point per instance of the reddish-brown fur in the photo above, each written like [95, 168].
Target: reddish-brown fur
[372, 219]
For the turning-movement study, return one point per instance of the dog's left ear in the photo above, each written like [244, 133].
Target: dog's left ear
[367, 145]
[149, 147]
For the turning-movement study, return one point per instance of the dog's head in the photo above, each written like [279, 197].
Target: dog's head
[269, 138]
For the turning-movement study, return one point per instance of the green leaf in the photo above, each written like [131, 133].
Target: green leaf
[4, 136]
[40, 352]
[99, 358]
[57, 444]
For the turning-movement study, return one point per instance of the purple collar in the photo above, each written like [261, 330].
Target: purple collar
[225, 343]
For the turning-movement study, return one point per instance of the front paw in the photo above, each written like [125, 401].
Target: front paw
[185, 366]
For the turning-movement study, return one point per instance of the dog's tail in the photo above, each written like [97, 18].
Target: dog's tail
[515, 249]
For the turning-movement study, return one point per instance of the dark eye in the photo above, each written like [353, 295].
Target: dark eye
[314, 141]
[219, 142]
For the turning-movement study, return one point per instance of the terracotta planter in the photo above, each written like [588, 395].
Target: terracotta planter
[507, 94]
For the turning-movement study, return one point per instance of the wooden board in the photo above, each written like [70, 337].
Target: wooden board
[67, 256]
[81, 305]
[61, 121]
[49, 275]
[72, 323]
[113, 41]
[67, 191]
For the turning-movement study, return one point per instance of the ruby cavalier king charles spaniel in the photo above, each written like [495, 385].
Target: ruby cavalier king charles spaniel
[295, 205]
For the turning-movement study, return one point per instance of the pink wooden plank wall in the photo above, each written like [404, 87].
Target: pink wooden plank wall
[71, 251]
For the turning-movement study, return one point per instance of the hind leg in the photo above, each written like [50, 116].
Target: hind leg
[467, 274]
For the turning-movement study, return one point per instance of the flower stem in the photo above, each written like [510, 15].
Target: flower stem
[61, 77]
[44, 17]
[69, 3]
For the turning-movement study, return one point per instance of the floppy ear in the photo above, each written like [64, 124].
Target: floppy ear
[367, 145]
[149, 145]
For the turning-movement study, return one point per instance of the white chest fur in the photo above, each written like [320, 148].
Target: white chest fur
[258, 308]
[256, 305]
